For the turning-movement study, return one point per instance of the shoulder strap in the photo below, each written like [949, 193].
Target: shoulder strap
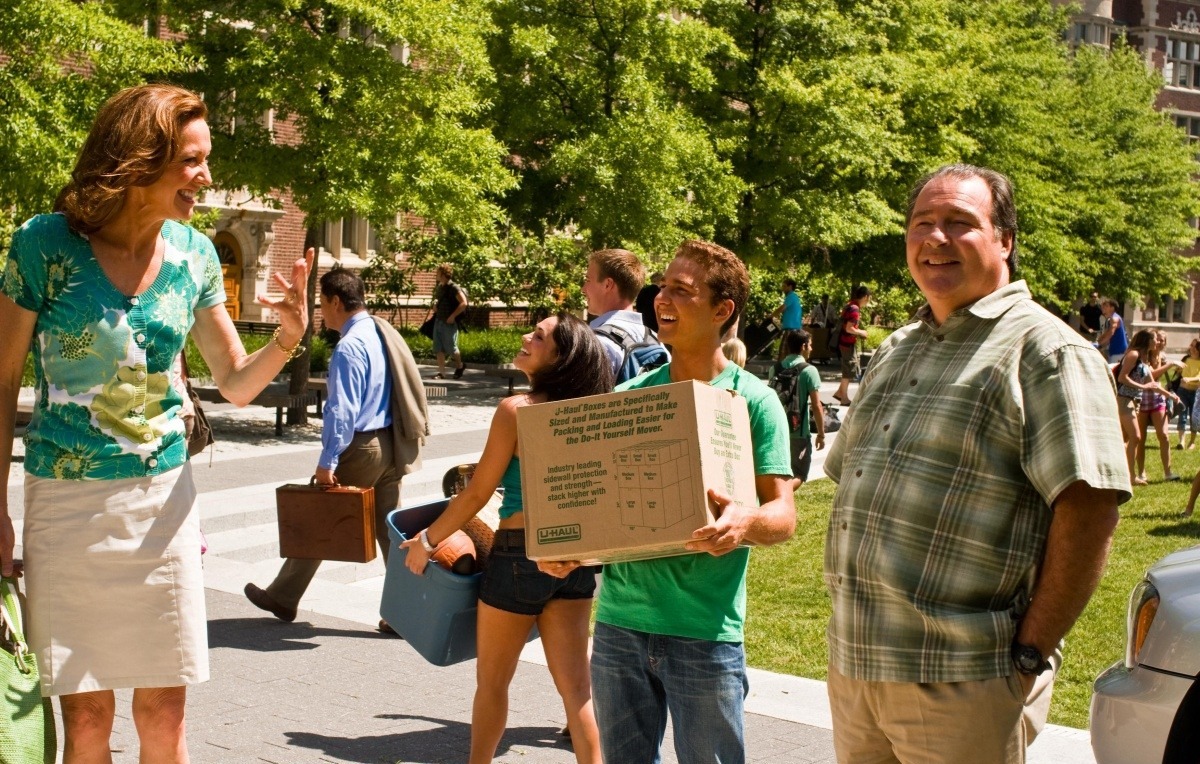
[619, 335]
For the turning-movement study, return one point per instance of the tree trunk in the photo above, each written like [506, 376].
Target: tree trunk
[300, 366]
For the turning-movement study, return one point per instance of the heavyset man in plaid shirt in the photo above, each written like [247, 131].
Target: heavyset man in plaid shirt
[979, 472]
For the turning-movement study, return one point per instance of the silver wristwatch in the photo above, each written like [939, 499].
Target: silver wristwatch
[424, 536]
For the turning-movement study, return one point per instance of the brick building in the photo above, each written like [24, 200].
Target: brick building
[1167, 33]
[255, 238]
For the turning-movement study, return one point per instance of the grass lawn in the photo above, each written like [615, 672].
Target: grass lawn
[789, 605]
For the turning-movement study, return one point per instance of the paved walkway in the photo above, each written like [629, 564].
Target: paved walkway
[328, 688]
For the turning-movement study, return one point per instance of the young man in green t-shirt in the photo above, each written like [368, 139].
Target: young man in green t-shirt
[669, 631]
[798, 345]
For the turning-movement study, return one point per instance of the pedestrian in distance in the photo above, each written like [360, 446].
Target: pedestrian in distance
[107, 290]
[978, 479]
[375, 421]
[822, 315]
[1133, 379]
[849, 333]
[1113, 341]
[563, 359]
[790, 313]
[1153, 408]
[735, 350]
[798, 384]
[1091, 317]
[1189, 383]
[449, 304]
[644, 304]
[669, 631]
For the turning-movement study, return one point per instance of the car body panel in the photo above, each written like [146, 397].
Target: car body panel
[1132, 712]
[1174, 640]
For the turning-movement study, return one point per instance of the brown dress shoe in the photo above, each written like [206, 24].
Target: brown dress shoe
[263, 601]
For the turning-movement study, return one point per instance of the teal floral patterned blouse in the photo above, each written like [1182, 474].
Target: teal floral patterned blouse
[104, 361]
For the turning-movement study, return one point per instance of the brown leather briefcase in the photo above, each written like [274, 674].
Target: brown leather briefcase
[326, 522]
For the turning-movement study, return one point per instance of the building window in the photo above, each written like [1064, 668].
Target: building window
[1085, 33]
[1189, 125]
[1182, 67]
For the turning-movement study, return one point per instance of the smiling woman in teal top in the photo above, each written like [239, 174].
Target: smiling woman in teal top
[105, 292]
[563, 359]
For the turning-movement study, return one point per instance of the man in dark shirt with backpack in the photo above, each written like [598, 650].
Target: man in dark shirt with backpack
[614, 277]
[798, 384]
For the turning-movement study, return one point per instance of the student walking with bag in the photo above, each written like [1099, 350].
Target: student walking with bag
[798, 385]
[107, 290]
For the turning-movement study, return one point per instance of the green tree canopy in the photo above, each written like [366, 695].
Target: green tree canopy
[61, 60]
[588, 104]
[381, 94]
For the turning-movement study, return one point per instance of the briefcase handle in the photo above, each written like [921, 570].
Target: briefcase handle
[312, 483]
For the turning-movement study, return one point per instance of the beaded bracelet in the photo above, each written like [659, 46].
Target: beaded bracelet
[292, 352]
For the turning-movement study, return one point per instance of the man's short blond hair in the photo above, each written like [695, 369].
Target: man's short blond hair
[623, 267]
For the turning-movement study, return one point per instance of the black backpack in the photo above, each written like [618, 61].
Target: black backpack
[785, 382]
[640, 355]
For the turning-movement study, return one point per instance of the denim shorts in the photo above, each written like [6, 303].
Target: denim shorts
[445, 337]
[512, 581]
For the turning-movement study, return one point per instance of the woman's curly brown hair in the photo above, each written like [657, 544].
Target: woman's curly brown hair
[135, 136]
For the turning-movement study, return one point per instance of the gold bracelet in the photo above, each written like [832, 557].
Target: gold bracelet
[291, 353]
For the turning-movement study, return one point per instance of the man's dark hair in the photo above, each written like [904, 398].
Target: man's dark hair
[346, 286]
[623, 267]
[860, 291]
[795, 341]
[582, 367]
[725, 275]
[1004, 209]
[790, 283]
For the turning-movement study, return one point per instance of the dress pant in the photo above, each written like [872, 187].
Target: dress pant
[367, 461]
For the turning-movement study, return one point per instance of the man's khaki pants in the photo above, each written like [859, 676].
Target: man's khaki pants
[990, 721]
[367, 461]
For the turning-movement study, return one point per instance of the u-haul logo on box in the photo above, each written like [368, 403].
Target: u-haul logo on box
[559, 533]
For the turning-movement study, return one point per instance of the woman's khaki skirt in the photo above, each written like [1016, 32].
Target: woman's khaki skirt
[114, 582]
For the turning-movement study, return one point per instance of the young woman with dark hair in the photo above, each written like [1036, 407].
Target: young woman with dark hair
[1134, 378]
[563, 359]
[1152, 408]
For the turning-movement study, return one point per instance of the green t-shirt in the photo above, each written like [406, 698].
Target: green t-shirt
[806, 385]
[698, 595]
[106, 364]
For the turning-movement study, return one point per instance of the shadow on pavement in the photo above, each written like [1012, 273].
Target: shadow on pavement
[267, 634]
[445, 743]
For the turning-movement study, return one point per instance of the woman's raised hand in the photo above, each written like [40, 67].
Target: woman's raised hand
[292, 307]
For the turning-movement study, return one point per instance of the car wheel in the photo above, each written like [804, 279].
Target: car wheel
[1183, 743]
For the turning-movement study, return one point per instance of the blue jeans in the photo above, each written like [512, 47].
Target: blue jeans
[1185, 411]
[637, 678]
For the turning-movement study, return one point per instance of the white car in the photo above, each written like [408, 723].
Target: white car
[1146, 708]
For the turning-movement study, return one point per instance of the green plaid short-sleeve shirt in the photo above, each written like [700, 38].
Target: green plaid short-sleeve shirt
[105, 362]
[960, 439]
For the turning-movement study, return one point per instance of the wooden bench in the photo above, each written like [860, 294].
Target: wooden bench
[254, 327]
[504, 371]
[275, 396]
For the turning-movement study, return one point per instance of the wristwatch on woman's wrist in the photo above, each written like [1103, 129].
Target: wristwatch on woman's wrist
[424, 536]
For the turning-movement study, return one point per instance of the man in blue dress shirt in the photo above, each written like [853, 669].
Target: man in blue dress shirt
[356, 440]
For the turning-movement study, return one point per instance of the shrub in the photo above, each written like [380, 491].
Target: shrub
[875, 336]
[252, 342]
[494, 346]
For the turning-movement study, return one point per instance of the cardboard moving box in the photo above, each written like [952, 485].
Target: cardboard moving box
[625, 476]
